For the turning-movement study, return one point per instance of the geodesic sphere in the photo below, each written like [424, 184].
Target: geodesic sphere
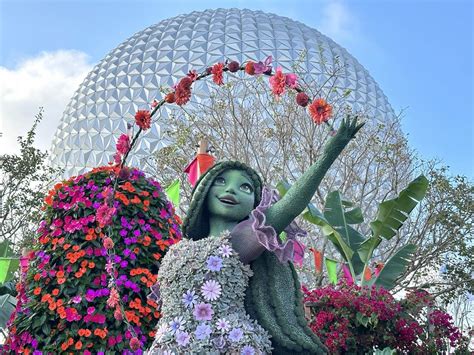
[130, 77]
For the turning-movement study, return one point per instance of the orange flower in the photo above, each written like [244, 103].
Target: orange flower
[87, 333]
[37, 277]
[55, 292]
[78, 345]
[64, 346]
[320, 111]
[146, 203]
[61, 281]
[91, 265]
[60, 274]
[37, 291]
[66, 246]
[76, 247]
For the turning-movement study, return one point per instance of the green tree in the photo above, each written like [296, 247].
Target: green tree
[24, 181]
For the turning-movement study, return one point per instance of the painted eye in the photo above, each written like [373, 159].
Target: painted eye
[219, 181]
[246, 188]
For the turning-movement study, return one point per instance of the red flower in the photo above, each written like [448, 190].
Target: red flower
[169, 98]
[278, 82]
[217, 70]
[233, 66]
[249, 68]
[108, 243]
[143, 119]
[182, 95]
[123, 144]
[135, 343]
[104, 215]
[185, 82]
[320, 111]
[302, 99]
[192, 75]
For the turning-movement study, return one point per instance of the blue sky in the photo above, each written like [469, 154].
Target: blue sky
[420, 53]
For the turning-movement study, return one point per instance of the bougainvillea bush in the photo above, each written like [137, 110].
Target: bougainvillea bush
[350, 319]
[99, 245]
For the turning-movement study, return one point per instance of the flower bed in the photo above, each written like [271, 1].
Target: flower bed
[355, 320]
[100, 241]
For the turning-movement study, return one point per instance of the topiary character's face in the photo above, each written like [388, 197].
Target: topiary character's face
[231, 196]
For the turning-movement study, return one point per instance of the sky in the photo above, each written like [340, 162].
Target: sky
[420, 53]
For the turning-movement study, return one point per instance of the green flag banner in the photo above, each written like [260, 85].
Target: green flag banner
[8, 266]
[331, 266]
[172, 192]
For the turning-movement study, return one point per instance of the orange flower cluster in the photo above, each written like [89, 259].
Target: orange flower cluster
[149, 279]
[73, 257]
[101, 333]
[67, 344]
[84, 333]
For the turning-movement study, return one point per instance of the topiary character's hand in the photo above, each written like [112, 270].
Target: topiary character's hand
[348, 129]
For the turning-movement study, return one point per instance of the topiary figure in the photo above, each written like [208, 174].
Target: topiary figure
[96, 258]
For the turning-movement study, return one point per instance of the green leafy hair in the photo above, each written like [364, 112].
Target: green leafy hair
[196, 223]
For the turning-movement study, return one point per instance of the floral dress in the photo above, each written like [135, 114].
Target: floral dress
[202, 289]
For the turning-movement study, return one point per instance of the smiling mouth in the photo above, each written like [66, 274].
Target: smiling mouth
[228, 200]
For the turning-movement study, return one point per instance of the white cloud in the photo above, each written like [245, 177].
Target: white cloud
[48, 80]
[338, 22]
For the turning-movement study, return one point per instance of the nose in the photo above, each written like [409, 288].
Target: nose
[230, 189]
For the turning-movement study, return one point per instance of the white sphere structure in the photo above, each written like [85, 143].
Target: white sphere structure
[130, 77]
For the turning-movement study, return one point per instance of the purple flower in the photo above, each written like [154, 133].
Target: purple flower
[203, 331]
[203, 311]
[236, 334]
[189, 299]
[211, 290]
[76, 299]
[214, 263]
[265, 67]
[182, 338]
[247, 350]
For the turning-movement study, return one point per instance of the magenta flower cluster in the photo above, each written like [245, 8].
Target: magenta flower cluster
[349, 319]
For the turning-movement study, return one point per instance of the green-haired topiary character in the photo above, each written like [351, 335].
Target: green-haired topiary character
[204, 281]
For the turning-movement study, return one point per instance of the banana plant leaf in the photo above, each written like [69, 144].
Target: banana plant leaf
[394, 267]
[340, 219]
[8, 266]
[393, 213]
[7, 306]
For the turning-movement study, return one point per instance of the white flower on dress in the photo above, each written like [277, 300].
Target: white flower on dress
[223, 325]
[225, 250]
[161, 331]
[211, 290]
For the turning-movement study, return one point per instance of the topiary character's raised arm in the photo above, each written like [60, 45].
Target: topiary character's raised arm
[283, 212]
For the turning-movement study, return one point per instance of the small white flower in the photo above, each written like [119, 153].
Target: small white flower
[161, 331]
[211, 290]
[223, 325]
[225, 250]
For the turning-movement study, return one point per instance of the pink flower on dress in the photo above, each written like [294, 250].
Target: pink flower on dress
[203, 311]
[278, 82]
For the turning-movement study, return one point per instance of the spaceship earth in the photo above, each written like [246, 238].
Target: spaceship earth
[131, 75]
